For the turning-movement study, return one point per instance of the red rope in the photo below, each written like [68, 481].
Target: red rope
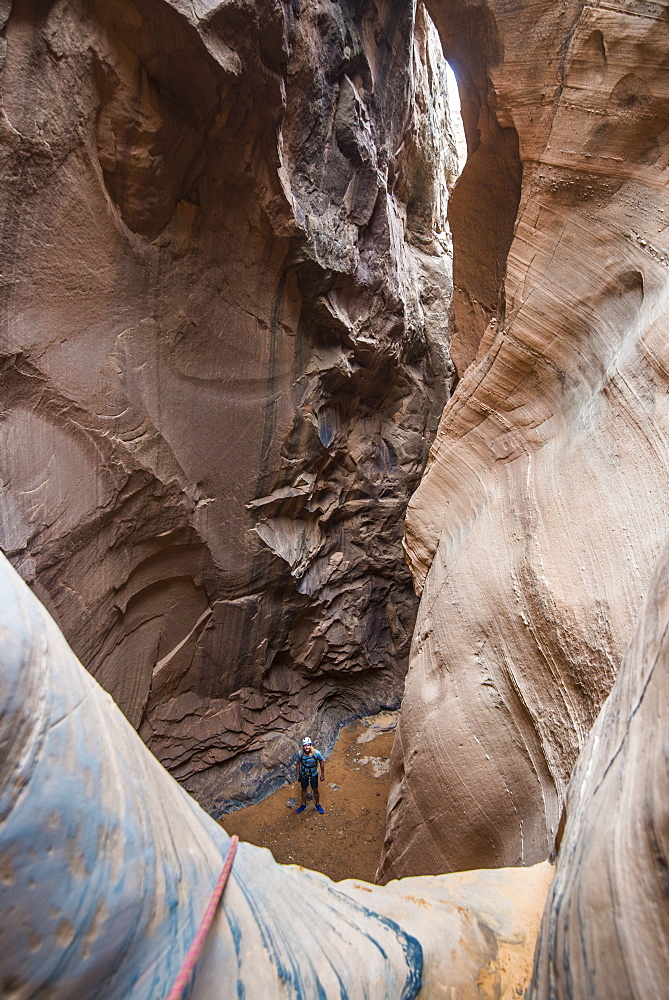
[186, 970]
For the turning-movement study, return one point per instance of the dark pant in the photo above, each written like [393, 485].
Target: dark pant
[306, 779]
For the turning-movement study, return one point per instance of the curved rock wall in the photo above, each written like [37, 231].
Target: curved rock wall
[107, 866]
[605, 932]
[223, 355]
[542, 510]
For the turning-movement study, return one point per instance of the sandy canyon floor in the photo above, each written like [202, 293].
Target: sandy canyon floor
[346, 841]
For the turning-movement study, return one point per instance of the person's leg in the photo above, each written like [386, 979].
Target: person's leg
[317, 798]
[303, 782]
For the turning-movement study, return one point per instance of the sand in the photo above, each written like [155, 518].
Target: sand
[346, 841]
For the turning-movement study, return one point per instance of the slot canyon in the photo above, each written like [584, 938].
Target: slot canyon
[309, 419]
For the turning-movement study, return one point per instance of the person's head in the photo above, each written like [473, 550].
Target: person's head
[307, 745]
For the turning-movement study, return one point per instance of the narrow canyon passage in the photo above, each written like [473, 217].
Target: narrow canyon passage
[225, 363]
[310, 426]
[535, 528]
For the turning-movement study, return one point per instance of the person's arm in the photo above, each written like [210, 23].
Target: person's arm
[297, 768]
[322, 763]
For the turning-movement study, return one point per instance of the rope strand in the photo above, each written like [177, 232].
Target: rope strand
[186, 970]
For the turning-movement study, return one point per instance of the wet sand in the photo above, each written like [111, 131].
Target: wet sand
[346, 841]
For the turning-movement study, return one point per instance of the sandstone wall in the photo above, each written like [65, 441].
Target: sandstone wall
[103, 892]
[605, 932]
[535, 527]
[223, 354]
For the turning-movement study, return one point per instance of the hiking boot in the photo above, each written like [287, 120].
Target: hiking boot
[300, 810]
[320, 809]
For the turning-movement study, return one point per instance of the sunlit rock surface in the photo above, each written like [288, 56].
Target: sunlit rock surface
[605, 932]
[107, 865]
[225, 282]
[534, 530]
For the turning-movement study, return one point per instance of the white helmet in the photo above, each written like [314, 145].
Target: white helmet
[306, 742]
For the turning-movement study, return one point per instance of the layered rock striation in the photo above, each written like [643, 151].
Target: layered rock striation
[224, 353]
[534, 530]
[124, 863]
[605, 931]
[125, 870]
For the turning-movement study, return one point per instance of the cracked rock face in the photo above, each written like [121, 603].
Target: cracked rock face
[534, 530]
[224, 353]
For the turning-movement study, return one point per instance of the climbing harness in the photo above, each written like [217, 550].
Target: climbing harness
[186, 970]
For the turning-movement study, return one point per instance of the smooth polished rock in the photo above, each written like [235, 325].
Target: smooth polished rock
[107, 865]
[543, 507]
[605, 931]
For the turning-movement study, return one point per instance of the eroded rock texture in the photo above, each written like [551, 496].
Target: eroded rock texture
[223, 354]
[534, 530]
[107, 866]
[605, 932]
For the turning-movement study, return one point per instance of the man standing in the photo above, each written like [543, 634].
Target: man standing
[308, 761]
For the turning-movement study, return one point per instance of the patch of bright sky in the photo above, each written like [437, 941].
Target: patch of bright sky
[456, 117]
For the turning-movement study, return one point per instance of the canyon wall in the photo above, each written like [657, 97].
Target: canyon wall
[125, 871]
[605, 931]
[107, 866]
[543, 507]
[225, 282]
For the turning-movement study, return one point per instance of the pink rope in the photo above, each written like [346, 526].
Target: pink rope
[186, 970]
